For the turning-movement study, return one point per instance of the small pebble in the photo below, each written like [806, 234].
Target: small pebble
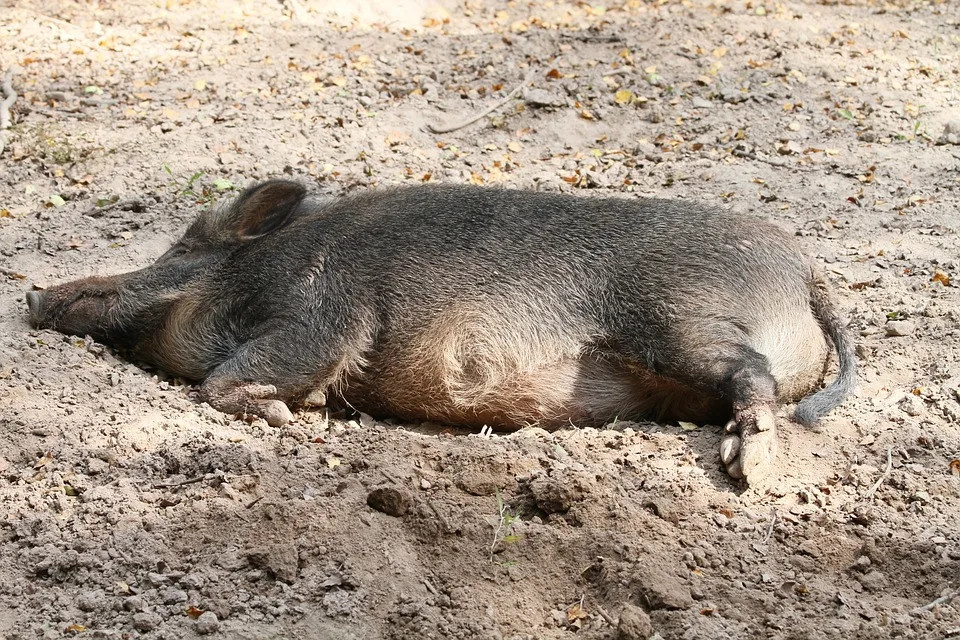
[634, 624]
[173, 596]
[898, 328]
[951, 133]
[389, 500]
[207, 623]
[146, 621]
[89, 601]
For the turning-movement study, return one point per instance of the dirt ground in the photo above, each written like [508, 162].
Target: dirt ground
[130, 510]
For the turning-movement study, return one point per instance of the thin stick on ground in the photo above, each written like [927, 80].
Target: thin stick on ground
[886, 474]
[613, 622]
[181, 483]
[9, 97]
[773, 522]
[510, 96]
[945, 599]
[296, 10]
[502, 515]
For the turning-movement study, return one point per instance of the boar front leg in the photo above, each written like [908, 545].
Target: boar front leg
[264, 375]
[236, 397]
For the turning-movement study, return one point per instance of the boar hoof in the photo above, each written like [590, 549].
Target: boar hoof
[247, 399]
[750, 446]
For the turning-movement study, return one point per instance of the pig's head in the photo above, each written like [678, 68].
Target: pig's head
[126, 310]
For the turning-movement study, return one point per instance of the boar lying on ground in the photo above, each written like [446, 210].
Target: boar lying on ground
[477, 306]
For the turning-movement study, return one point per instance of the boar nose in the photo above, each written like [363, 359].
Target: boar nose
[33, 303]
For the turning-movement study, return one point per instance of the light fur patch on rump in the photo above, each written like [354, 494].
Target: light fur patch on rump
[795, 345]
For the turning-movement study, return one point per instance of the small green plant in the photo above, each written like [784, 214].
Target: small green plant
[919, 129]
[504, 522]
[193, 187]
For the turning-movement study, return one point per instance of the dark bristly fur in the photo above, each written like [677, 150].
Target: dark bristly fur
[479, 306]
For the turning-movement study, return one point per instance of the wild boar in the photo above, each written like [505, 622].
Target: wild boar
[478, 306]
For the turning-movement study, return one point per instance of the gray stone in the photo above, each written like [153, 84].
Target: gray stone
[207, 623]
[634, 624]
[899, 328]
[146, 621]
[392, 501]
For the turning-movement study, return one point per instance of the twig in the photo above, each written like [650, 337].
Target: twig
[131, 204]
[591, 37]
[219, 475]
[510, 96]
[886, 474]
[389, 477]
[939, 601]
[774, 162]
[295, 10]
[613, 622]
[9, 97]
[773, 521]
[182, 483]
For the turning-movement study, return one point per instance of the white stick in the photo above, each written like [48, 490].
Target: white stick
[482, 114]
[9, 96]
[886, 474]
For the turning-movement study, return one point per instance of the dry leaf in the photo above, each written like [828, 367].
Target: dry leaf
[397, 137]
[623, 96]
[43, 461]
[941, 277]
[576, 612]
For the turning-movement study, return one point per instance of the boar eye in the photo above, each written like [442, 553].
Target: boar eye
[175, 251]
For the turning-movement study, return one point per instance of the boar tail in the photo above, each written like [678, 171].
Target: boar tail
[810, 409]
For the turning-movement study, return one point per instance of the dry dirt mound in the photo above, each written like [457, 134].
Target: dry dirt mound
[129, 510]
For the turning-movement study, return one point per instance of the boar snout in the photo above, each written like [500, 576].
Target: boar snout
[73, 310]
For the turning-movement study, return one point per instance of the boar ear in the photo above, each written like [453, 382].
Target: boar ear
[264, 208]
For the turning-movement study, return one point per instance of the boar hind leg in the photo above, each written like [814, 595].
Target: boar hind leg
[726, 367]
[749, 447]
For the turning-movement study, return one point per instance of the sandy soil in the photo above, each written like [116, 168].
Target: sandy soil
[129, 510]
